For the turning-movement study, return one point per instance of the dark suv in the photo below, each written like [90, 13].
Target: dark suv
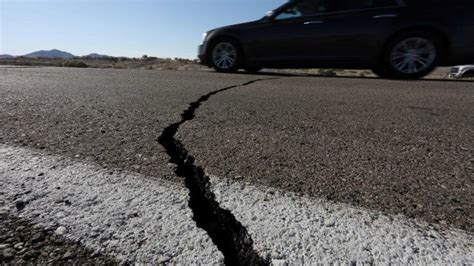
[395, 38]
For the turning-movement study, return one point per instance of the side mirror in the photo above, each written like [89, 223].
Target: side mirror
[270, 13]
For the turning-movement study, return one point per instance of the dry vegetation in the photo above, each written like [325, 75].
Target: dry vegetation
[149, 63]
[154, 63]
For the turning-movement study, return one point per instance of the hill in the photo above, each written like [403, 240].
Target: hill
[50, 54]
[96, 56]
[6, 56]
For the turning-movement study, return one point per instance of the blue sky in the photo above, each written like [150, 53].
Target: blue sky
[163, 28]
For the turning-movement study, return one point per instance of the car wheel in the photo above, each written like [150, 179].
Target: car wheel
[410, 56]
[252, 69]
[225, 55]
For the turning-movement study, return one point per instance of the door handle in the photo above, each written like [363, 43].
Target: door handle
[313, 22]
[385, 16]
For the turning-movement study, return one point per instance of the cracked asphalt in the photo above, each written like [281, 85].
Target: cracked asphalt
[401, 147]
[110, 118]
[227, 233]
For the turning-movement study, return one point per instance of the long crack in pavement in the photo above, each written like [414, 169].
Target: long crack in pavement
[229, 235]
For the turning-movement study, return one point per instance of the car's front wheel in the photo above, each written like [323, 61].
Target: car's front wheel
[225, 55]
[410, 56]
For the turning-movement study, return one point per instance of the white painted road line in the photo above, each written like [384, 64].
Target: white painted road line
[299, 230]
[136, 219]
[119, 214]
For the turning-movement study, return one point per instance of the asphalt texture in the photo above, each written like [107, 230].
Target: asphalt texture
[401, 147]
[112, 118]
[24, 244]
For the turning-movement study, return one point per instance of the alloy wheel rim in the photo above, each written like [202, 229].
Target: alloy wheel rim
[413, 55]
[224, 55]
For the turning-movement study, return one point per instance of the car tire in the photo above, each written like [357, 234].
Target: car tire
[225, 55]
[410, 55]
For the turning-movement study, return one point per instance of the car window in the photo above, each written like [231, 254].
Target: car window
[306, 8]
[364, 4]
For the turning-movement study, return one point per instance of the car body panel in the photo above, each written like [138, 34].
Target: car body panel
[324, 38]
[349, 39]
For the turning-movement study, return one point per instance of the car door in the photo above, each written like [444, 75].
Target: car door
[291, 35]
[355, 32]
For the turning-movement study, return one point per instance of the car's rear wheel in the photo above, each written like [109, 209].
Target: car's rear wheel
[410, 56]
[225, 55]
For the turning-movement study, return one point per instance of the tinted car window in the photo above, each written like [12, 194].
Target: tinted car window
[363, 4]
[306, 8]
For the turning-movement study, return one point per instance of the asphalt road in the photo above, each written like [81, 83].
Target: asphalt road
[400, 147]
[396, 146]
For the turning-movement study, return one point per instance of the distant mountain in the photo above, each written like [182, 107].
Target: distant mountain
[6, 56]
[55, 54]
[96, 56]
[51, 54]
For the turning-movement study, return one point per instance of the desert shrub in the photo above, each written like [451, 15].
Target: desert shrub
[182, 60]
[23, 63]
[75, 63]
[119, 66]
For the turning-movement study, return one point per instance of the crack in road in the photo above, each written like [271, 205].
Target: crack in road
[227, 233]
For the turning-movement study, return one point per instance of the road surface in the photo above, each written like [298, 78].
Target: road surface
[295, 169]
